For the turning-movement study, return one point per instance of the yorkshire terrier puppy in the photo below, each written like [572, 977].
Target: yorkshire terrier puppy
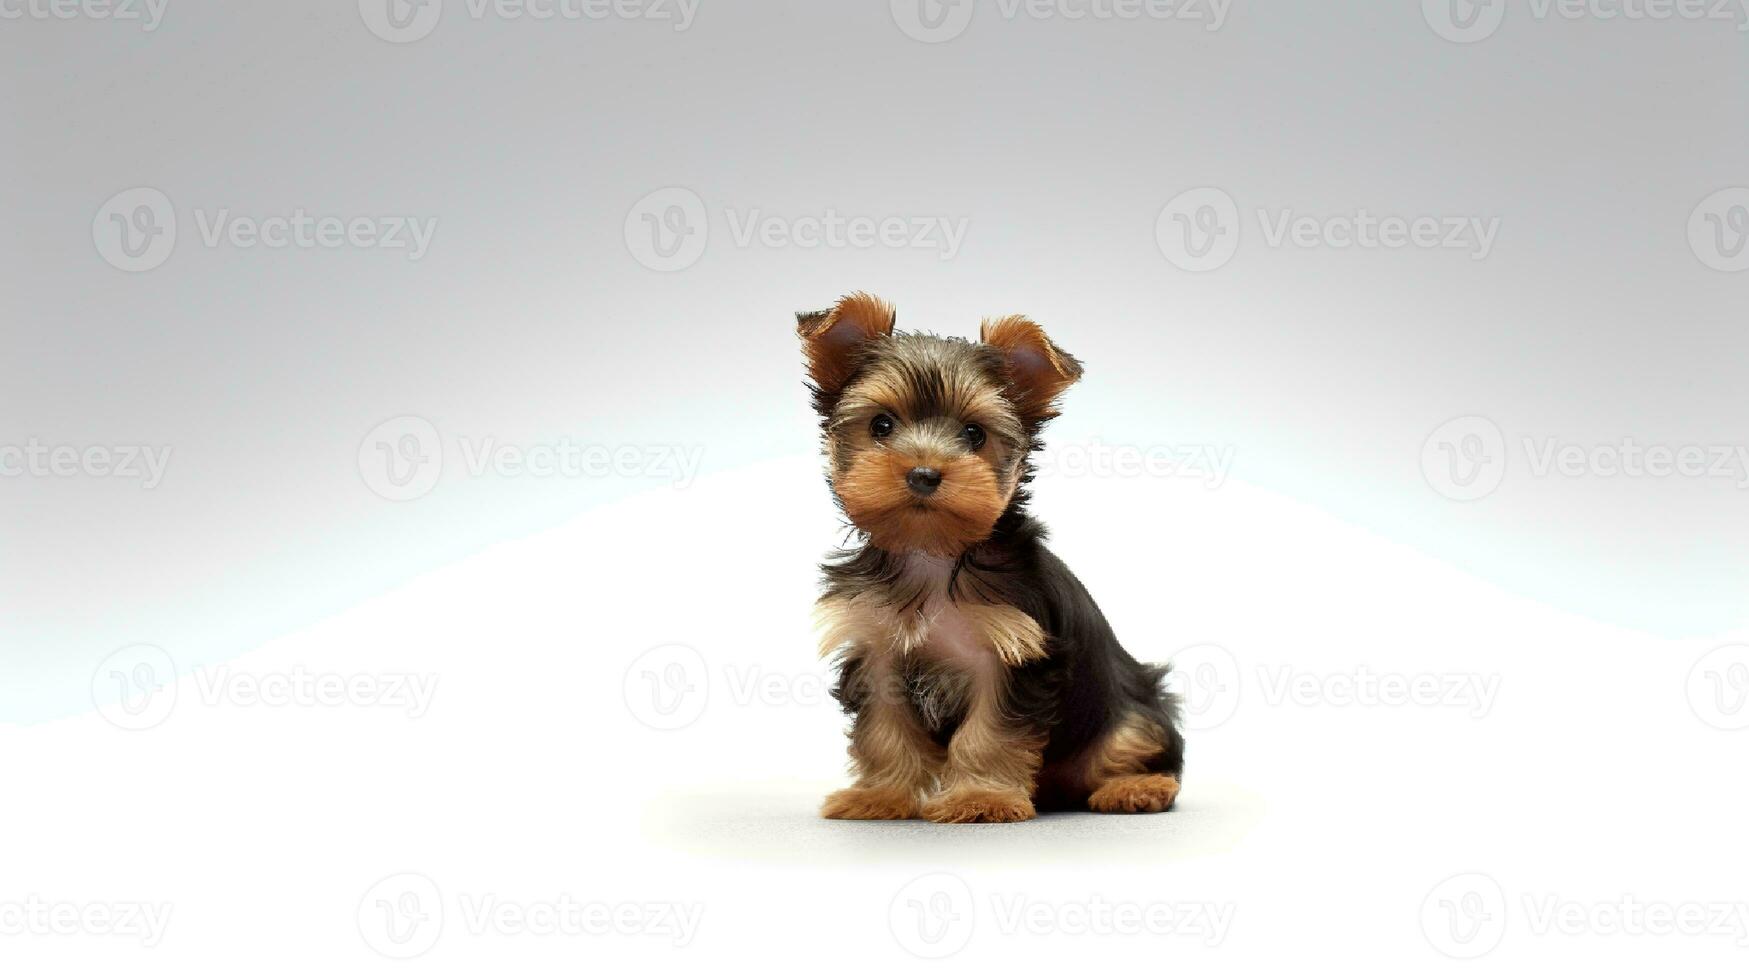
[982, 680]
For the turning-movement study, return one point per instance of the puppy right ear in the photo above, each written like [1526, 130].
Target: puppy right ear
[833, 340]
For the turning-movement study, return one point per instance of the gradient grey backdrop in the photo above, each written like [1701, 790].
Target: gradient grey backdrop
[531, 318]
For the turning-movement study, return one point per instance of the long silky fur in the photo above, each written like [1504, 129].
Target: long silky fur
[1085, 687]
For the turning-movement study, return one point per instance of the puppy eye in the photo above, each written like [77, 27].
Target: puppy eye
[882, 426]
[973, 434]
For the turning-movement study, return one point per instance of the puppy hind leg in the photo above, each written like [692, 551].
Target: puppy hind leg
[1122, 774]
[1146, 793]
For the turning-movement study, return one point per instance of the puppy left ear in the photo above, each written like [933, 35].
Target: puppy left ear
[1038, 370]
[833, 340]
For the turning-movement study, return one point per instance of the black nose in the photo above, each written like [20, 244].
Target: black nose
[923, 480]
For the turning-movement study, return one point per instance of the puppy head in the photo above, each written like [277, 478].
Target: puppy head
[927, 437]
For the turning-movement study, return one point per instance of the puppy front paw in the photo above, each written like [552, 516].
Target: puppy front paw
[979, 806]
[870, 803]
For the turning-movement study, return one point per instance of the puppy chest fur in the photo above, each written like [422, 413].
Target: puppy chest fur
[938, 650]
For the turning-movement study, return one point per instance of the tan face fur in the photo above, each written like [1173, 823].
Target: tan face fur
[896, 405]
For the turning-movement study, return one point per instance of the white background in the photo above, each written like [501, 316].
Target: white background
[1383, 514]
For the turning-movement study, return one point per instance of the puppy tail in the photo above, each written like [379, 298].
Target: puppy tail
[1167, 711]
